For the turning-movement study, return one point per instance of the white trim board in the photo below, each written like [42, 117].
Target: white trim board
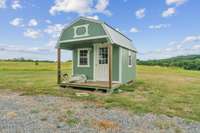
[94, 62]
[82, 39]
[72, 62]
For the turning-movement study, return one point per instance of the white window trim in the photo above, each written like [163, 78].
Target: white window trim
[81, 26]
[129, 54]
[88, 57]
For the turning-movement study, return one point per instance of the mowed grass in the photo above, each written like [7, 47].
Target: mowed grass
[31, 78]
[160, 90]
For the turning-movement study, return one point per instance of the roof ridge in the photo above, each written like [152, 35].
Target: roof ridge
[118, 31]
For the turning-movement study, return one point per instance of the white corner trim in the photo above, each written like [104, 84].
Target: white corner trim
[72, 62]
[120, 64]
[88, 57]
[85, 26]
[94, 62]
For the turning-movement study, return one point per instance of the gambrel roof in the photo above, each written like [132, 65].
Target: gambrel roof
[112, 34]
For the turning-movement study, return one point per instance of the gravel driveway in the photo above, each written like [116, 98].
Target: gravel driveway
[48, 114]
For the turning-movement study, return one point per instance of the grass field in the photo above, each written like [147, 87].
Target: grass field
[160, 90]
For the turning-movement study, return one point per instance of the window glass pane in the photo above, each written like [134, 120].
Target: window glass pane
[103, 55]
[83, 59]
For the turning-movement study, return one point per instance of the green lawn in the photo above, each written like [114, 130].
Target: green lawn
[170, 91]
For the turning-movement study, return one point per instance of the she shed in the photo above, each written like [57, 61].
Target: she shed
[104, 55]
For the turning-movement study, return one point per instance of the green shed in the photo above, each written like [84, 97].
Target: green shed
[104, 55]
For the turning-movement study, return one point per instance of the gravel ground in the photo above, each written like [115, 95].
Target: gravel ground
[47, 114]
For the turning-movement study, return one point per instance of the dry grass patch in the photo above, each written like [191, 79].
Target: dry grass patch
[11, 115]
[106, 124]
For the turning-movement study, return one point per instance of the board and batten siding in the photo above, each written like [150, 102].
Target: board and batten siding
[94, 30]
[87, 71]
[127, 73]
[115, 63]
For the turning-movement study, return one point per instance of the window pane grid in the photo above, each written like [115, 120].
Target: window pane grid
[103, 56]
[83, 59]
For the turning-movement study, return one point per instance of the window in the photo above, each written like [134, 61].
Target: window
[83, 57]
[103, 55]
[81, 31]
[130, 60]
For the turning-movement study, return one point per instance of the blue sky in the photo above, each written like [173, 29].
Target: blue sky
[158, 28]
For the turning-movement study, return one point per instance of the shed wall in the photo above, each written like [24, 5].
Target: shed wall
[88, 71]
[128, 73]
[115, 63]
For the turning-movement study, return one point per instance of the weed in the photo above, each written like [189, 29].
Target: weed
[72, 121]
[34, 111]
[163, 124]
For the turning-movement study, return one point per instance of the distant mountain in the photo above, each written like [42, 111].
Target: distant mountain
[189, 62]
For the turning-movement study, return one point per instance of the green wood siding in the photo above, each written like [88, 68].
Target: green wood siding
[128, 73]
[94, 29]
[97, 35]
[88, 71]
[115, 65]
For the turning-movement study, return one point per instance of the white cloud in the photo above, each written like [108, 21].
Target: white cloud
[196, 47]
[33, 22]
[16, 4]
[17, 22]
[134, 30]
[191, 39]
[169, 12]
[93, 17]
[159, 26]
[140, 13]
[177, 2]
[2, 3]
[82, 7]
[54, 30]
[102, 6]
[31, 33]
[189, 45]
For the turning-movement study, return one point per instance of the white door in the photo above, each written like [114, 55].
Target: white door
[101, 65]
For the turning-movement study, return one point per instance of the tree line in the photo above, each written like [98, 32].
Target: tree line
[29, 60]
[189, 62]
